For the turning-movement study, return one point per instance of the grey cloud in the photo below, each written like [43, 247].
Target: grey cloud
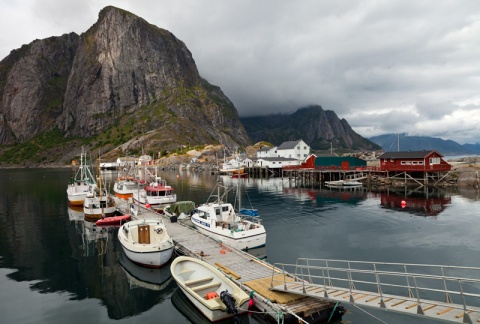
[389, 66]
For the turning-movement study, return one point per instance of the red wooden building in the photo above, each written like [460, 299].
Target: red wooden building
[423, 167]
[413, 161]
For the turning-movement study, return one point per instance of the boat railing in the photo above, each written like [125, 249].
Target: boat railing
[454, 285]
[252, 219]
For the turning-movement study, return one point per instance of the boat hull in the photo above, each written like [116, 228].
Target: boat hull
[242, 241]
[212, 315]
[198, 279]
[154, 259]
[76, 194]
[146, 242]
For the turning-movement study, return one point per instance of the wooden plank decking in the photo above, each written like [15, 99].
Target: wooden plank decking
[246, 270]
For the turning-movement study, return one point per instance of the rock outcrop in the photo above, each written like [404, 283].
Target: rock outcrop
[319, 128]
[122, 73]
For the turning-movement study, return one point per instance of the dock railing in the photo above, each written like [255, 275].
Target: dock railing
[454, 287]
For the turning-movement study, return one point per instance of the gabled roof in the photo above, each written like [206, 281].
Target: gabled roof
[407, 154]
[288, 145]
[279, 158]
[265, 149]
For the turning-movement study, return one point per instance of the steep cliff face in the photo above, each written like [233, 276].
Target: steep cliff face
[33, 80]
[317, 127]
[122, 71]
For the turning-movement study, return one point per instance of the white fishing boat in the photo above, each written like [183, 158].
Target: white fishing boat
[155, 193]
[218, 219]
[99, 203]
[80, 184]
[233, 166]
[214, 294]
[127, 183]
[146, 242]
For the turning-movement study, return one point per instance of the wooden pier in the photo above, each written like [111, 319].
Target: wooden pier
[253, 275]
[312, 177]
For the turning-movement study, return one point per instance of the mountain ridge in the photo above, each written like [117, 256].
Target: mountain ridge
[319, 128]
[403, 142]
[122, 81]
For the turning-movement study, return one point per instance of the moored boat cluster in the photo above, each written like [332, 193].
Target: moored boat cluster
[146, 242]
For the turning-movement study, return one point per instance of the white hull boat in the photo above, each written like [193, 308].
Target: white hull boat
[98, 204]
[146, 242]
[220, 221]
[81, 184]
[214, 294]
[124, 188]
[156, 193]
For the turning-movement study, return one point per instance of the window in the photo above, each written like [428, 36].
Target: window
[435, 160]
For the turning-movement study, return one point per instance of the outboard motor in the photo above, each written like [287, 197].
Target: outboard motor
[229, 301]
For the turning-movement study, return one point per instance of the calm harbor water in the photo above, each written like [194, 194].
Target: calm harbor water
[56, 268]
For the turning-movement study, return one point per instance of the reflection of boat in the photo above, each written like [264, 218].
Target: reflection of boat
[214, 294]
[219, 220]
[185, 306]
[155, 193]
[343, 183]
[146, 242]
[113, 220]
[80, 184]
[75, 213]
[239, 175]
[153, 279]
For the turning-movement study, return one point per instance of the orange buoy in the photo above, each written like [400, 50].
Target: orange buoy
[147, 205]
[211, 295]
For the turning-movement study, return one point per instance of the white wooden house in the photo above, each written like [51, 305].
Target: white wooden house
[294, 150]
[267, 152]
[276, 162]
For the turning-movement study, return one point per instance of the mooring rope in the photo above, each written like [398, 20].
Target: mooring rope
[370, 314]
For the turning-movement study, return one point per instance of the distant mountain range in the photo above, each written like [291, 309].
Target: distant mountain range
[321, 129]
[403, 142]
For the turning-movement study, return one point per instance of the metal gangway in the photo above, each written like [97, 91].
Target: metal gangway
[441, 292]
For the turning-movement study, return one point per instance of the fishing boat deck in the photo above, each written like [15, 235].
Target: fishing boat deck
[249, 272]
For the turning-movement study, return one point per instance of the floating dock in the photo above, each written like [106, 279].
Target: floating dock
[252, 274]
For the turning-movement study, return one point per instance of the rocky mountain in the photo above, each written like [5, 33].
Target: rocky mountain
[403, 142]
[124, 84]
[321, 129]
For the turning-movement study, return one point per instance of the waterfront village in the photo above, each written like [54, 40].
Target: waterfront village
[213, 241]
[393, 168]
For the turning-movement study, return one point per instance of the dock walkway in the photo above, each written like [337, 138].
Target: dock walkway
[249, 272]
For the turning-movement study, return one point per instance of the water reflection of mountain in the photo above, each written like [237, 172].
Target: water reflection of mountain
[185, 306]
[421, 202]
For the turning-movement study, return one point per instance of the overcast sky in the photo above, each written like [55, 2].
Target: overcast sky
[408, 66]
